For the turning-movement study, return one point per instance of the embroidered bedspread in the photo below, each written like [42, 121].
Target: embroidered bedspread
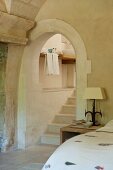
[90, 151]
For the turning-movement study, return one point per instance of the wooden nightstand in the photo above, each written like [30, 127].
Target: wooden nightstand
[70, 131]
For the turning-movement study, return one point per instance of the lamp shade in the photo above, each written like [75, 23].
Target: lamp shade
[94, 93]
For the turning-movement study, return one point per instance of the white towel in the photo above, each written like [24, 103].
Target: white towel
[52, 64]
[55, 64]
[49, 63]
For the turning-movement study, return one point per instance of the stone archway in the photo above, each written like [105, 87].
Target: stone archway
[44, 30]
[59, 26]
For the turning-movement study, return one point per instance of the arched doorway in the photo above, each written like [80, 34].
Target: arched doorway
[44, 30]
[51, 26]
[57, 64]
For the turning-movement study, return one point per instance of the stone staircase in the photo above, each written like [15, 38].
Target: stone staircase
[64, 118]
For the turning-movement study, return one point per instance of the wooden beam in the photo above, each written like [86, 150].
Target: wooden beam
[64, 59]
[71, 61]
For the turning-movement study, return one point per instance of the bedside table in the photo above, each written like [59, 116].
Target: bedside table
[72, 130]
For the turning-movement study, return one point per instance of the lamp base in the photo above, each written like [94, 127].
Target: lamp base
[95, 123]
[93, 113]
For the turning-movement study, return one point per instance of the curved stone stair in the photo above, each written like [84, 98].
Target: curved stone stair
[64, 118]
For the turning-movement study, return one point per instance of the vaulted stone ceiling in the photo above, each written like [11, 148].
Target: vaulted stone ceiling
[17, 18]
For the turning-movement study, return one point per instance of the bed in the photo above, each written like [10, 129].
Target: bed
[89, 151]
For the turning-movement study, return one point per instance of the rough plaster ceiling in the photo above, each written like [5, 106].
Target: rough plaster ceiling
[24, 8]
[16, 18]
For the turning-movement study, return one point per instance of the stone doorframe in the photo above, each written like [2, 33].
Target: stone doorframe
[43, 31]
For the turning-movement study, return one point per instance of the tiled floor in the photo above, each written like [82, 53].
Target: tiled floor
[29, 159]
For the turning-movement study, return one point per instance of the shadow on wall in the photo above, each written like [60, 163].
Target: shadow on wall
[3, 60]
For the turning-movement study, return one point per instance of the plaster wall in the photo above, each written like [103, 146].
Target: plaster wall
[53, 42]
[71, 75]
[93, 20]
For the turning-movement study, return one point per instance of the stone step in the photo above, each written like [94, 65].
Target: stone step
[74, 93]
[55, 127]
[68, 109]
[71, 100]
[32, 166]
[50, 138]
[64, 118]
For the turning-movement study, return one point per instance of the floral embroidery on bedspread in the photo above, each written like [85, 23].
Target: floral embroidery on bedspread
[78, 141]
[99, 168]
[69, 163]
[90, 136]
[105, 144]
[66, 163]
[47, 166]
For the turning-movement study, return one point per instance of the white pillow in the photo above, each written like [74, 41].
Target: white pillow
[109, 124]
[105, 129]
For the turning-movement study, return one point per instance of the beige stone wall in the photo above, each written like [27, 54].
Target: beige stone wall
[93, 20]
[102, 62]
[12, 79]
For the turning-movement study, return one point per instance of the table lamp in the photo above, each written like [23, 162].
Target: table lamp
[94, 93]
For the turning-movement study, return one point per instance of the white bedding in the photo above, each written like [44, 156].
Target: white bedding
[90, 151]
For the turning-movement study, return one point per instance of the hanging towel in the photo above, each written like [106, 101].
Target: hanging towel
[49, 63]
[55, 64]
[52, 64]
